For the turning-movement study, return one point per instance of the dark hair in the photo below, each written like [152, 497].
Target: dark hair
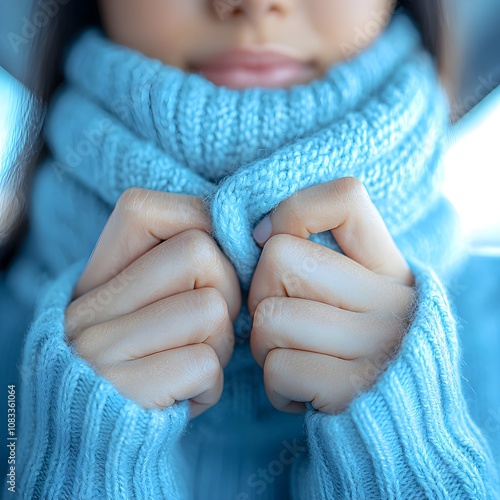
[44, 63]
[42, 78]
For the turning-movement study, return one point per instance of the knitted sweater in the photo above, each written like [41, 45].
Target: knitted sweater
[377, 117]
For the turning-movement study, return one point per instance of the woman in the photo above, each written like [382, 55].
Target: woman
[148, 325]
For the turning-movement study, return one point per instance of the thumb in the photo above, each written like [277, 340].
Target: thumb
[344, 208]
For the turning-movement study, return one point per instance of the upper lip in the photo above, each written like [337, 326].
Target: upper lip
[253, 57]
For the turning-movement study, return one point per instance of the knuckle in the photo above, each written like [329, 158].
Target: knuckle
[263, 336]
[115, 375]
[274, 366]
[214, 307]
[161, 401]
[82, 345]
[200, 247]
[205, 363]
[292, 207]
[351, 188]
[131, 202]
[277, 248]
[265, 311]
[87, 345]
[291, 203]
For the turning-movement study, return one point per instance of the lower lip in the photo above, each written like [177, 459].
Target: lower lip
[272, 76]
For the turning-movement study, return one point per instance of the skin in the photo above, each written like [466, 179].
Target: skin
[320, 316]
[186, 32]
[154, 308]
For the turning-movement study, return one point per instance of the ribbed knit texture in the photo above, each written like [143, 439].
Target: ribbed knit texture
[125, 120]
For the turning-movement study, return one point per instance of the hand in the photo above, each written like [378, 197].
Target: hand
[153, 310]
[324, 324]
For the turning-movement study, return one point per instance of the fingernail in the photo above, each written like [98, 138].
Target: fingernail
[263, 230]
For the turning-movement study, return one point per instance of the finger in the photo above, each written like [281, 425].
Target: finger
[307, 325]
[158, 381]
[344, 207]
[194, 317]
[295, 267]
[187, 261]
[292, 378]
[141, 219]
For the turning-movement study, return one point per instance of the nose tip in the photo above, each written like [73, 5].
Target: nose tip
[252, 9]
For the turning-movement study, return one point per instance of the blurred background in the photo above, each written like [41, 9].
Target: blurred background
[472, 173]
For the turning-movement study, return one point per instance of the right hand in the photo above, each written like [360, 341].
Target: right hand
[153, 310]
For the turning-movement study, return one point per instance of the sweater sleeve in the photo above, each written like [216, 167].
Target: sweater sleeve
[410, 435]
[78, 437]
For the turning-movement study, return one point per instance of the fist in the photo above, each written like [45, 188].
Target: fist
[324, 323]
[154, 307]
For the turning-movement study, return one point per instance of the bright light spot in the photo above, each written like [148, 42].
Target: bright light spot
[10, 96]
[472, 166]
[5, 101]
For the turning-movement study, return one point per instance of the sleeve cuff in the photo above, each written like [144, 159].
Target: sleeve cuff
[79, 437]
[411, 433]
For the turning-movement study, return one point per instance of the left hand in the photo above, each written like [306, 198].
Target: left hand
[324, 324]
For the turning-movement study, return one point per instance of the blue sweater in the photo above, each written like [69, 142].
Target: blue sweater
[409, 436]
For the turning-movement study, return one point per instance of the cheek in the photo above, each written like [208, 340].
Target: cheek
[347, 26]
[160, 29]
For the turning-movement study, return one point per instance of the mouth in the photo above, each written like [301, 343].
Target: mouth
[268, 66]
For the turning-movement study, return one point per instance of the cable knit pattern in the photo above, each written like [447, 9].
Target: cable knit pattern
[122, 120]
